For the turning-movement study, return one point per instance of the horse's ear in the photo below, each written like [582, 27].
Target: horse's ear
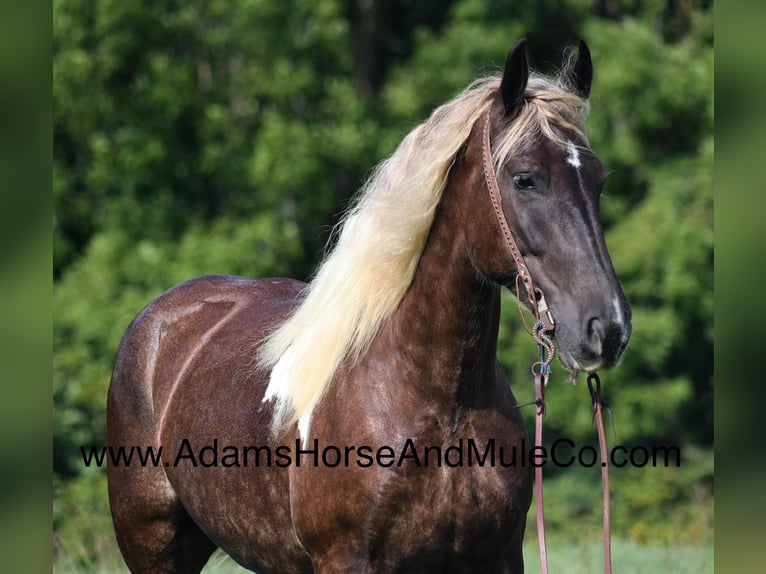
[580, 75]
[515, 78]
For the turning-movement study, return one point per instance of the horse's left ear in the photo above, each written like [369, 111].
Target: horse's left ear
[515, 78]
[580, 76]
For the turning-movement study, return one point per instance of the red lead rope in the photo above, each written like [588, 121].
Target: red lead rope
[540, 380]
[594, 386]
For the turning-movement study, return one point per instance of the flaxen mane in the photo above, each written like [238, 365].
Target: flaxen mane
[363, 279]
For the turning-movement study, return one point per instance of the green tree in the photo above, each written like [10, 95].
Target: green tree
[170, 115]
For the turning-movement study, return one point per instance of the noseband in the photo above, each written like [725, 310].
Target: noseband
[542, 332]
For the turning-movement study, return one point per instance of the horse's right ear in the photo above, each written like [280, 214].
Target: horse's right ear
[580, 77]
[515, 78]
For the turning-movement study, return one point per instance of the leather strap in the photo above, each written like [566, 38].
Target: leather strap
[536, 297]
[540, 381]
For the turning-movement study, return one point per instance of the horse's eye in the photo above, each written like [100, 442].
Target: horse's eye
[524, 181]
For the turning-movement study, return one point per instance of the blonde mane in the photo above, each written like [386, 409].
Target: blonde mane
[364, 278]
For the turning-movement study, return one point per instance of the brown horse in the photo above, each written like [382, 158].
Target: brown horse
[361, 423]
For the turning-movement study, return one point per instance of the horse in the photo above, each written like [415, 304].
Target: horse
[351, 424]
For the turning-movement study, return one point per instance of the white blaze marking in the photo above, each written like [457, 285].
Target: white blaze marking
[573, 156]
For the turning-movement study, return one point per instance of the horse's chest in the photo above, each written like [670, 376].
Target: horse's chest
[464, 499]
[450, 516]
[423, 499]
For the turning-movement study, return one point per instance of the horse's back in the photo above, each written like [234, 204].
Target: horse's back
[162, 342]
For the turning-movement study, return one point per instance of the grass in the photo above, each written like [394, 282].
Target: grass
[570, 558]
[627, 558]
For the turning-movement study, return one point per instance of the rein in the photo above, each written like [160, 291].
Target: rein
[542, 333]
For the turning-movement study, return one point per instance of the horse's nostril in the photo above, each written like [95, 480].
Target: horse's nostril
[595, 331]
[607, 340]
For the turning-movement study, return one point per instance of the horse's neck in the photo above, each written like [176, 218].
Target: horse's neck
[447, 323]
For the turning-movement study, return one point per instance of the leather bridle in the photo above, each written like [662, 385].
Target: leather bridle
[542, 332]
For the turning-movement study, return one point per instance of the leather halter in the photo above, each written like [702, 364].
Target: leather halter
[542, 332]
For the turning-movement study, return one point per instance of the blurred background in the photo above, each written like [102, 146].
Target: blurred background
[192, 138]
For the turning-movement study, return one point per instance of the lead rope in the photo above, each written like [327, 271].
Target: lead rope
[542, 332]
[541, 371]
[540, 381]
[595, 395]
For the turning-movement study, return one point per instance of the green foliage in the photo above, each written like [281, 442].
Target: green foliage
[444, 63]
[670, 504]
[83, 536]
[192, 139]
[166, 116]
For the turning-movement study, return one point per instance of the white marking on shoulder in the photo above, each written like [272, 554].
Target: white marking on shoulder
[573, 156]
